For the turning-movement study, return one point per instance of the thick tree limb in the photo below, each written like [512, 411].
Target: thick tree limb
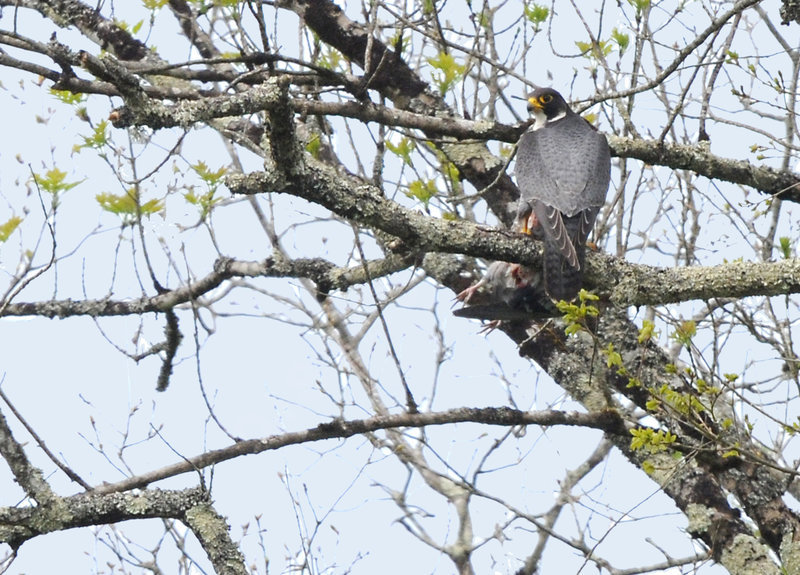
[29, 477]
[623, 283]
[19, 524]
[102, 31]
[695, 485]
[213, 532]
[390, 75]
[626, 284]
[700, 160]
[615, 280]
[697, 158]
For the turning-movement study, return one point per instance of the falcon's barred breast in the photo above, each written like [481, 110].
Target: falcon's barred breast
[563, 171]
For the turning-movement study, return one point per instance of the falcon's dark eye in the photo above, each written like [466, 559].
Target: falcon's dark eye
[546, 99]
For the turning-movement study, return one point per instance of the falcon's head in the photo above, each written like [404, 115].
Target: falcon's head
[547, 105]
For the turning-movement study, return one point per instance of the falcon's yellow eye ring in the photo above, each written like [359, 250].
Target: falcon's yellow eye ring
[546, 99]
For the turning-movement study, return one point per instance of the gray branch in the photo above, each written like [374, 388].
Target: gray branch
[608, 421]
[696, 485]
[191, 506]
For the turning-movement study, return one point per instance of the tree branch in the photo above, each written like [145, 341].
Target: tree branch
[694, 483]
[28, 476]
[19, 524]
[608, 421]
[213, 532]
[697, 158]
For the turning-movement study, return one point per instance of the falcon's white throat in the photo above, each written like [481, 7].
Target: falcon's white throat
[540, 118]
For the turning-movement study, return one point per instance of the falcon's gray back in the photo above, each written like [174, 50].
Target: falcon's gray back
[565, 164]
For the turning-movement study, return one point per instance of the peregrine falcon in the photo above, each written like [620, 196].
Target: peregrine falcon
[563, 170]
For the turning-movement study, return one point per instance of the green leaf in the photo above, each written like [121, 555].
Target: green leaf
[68, 97]
[613, 358]
[8, 228]
[575, 314]
[647, 331]
[313, 146]
[704, 388]
[451, 172]
[402, 149]
[423, 191]
[446, 71]
[651, 440]
[684, 403]
[536, 15]
[639, 5]
[98, 139]
[634, 383]
[330, 58]
[128, 205]
[154, 4]
[652, 404]
[595, 50]
[122, 24]
[205, 202]
[54, 182]
[685, 332]
[786, 247]
[620, 39]
[213, 179]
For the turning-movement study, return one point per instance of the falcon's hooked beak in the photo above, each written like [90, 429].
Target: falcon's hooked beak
[535, 104]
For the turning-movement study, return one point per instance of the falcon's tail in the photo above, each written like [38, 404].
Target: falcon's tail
[561, 280]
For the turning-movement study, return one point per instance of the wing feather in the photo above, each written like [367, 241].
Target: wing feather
[555, 230]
